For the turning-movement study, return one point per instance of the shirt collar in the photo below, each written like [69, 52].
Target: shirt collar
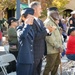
[35, 18]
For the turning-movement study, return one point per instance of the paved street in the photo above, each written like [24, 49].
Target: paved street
[66, 66]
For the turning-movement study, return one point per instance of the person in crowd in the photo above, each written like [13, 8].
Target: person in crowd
[60, 23]
[70, 51]
[12, 36]
[72, 19]
[63, 43]
[25, 35]
[39, 40]
[0, 37]
[13, 42]
[64, 29]
[54, 42]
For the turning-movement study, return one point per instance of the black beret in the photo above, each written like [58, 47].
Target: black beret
[52, 9]
[12, 19]
[70, 30]
[27, 11]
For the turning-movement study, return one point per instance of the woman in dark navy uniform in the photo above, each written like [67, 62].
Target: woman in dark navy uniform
[25, 58]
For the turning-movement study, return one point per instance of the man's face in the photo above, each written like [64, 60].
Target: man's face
[37, 11]
[72, 33]
[15, 23]
[55, 15]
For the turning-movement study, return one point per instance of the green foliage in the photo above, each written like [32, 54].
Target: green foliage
[57, 3]
[7, 3]
[45, 4]
[60, 3]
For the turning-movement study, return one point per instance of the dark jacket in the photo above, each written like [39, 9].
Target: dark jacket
[25, 39]
[73, 22]
[39, 40]
[12, 39]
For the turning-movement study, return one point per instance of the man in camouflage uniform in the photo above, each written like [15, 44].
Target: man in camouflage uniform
[54, 42]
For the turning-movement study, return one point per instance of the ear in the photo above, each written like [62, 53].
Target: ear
[34, 10]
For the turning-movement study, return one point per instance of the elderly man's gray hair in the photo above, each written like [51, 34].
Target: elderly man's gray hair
[34, 4]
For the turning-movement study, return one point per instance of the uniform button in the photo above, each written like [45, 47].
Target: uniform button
[31, 50]
[31, 45]
[31, 40]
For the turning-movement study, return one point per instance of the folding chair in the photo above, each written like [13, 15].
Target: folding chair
[6, 47]
[3, 69]
[3, 49]
[66, 66]
[4, 60]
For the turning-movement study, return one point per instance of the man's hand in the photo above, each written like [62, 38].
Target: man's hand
[51, 28]
[29, 20]
[60, 49]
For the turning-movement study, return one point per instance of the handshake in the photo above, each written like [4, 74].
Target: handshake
[51, 28]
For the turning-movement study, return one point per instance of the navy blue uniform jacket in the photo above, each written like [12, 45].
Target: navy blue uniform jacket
[25, 38]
